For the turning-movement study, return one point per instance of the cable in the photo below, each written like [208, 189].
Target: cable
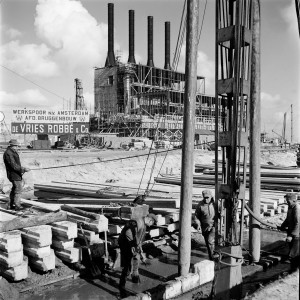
[110, 160]
[202, 22]
[33, 83]
[258, 219]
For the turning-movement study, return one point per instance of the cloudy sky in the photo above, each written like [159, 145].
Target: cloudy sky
[46, 44]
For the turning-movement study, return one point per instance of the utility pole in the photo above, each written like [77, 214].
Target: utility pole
[255, 123]
[291, 124]
[187, 165]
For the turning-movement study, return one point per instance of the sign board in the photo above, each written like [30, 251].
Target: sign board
[48, 116]
[40, 121]
[47, 128]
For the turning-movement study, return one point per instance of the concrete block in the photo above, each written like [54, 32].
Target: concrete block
[269, 213]
[160, 220]
[139, 296]
[64, 229]
[40, 236]
[11, 241]
[11, 259]
[173, 226]
[156, 232]
[97, 226]
[37, 252]
[174, 217]
[71, 255]
[16, 273]
[62, 244]
[134, 212]
[44, 264]
[91, 236]
[114, 229]
[172, 289]
[206, 271]
[189, 282]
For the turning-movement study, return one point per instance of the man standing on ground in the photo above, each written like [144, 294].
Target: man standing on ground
[291, 225]
[14, 172]
[130, 242]
[205, 217]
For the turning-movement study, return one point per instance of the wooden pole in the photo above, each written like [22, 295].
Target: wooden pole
[255, 123]
[19, 223]
[188, 138]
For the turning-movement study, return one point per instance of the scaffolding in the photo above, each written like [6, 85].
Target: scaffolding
[138, 100]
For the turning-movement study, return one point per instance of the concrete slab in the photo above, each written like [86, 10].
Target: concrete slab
[16, 273]
[11, 241]
[65, 230]
[43, 264]
[11, 259]
[37, 252]
[70, 255]
[62, 244]
[40, 236]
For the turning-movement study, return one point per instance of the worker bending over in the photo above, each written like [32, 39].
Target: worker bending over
[130, 243]
[291, 226]
[205, 217]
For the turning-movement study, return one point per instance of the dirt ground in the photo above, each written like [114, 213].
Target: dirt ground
[113, 166]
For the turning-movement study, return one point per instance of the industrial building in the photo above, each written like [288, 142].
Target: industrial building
[143, 100]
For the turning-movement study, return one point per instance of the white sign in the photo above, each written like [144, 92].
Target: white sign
[49, 116]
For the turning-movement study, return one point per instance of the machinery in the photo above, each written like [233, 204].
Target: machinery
[233, 54]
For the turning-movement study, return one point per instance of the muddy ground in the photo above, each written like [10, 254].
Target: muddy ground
[128, 168]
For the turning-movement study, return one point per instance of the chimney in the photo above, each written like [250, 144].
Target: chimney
[167, 46]
[131, 58]
[110, 59]
[150, 62]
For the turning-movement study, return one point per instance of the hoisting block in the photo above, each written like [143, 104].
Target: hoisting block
[229, 279]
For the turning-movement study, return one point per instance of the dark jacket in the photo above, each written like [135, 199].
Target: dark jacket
[205, 213]
[291, 223]
[13, 166]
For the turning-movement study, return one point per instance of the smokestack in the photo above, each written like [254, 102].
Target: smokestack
[150, 62]
[167, 46]
[110, 59]
[131, 58]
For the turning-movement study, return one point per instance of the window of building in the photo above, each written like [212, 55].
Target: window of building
[110, 80]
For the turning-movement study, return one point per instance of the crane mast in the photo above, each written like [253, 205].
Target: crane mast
[232, 73]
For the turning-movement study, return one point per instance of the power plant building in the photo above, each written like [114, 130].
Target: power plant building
[143, 100]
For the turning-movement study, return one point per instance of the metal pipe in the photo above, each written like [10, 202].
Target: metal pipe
[110, 59]
[131, 58]
[150, 62]
[167, 46]
[187, 164]
[255, 123]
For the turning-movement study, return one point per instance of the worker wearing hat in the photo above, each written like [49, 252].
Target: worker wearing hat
[130, 243]
[291, 226]
[14, 172]
[205, 217]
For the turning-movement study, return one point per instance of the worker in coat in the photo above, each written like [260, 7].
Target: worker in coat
[291, 226]
[130, 243]
[14, 172]
[205, 217]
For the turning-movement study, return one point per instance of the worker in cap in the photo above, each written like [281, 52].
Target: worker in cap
[205, 218]
[14, 172]
[291, 226]
[130, 243]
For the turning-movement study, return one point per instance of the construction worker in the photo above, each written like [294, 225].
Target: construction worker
[291, 226]
[130, 243]
[14, 172]
[205, 217]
